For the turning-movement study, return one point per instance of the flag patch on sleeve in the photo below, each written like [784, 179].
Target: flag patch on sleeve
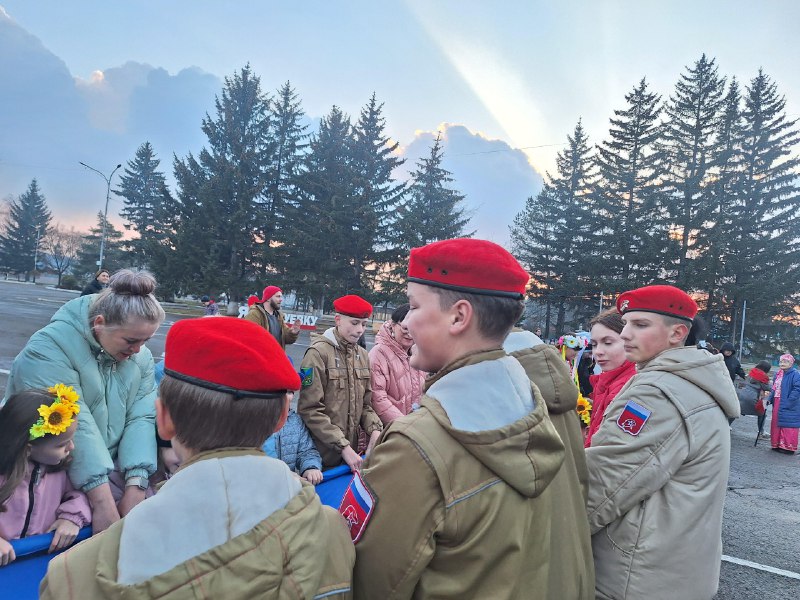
[306, 376]
[356, 507]
[633, 418]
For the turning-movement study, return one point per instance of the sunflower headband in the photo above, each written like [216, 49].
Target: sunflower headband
[571, 341]
[58, 416]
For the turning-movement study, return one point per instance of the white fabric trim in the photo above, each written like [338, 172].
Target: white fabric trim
[199, 508]
[521, 340]
[329, 336]
[484, 396]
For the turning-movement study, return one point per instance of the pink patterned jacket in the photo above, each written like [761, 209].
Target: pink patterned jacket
[396, 385]
[39, 499]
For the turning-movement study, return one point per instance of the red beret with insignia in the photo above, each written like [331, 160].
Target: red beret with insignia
[269, 292]
[468, 265]
[353, 306]
[246, 362]
[660, 299]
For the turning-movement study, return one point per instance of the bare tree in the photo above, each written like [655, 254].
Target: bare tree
[60, 248]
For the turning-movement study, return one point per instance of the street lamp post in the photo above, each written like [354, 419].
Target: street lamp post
[36, 251]
[105, 213]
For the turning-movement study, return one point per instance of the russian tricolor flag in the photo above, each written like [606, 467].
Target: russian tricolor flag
[633, 418]
[357, 506]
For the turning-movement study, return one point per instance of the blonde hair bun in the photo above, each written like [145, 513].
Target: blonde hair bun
[139, 283]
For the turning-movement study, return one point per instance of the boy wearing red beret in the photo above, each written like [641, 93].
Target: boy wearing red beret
[658, 465]
[459, 490]
[336, 396]
[231, 523]
[266, 312]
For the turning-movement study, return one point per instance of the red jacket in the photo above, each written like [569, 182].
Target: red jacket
[606, 386]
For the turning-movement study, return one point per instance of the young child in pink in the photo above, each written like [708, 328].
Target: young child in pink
[36, 496]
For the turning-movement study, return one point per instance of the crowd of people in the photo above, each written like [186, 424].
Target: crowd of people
[473, 474]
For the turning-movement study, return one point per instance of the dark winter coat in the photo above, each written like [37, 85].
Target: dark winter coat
[789, 405]
[731, 362]
[94, 287]
[585, 368]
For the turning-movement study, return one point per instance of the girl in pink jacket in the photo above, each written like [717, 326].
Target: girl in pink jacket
[36, 496]
[396, 385]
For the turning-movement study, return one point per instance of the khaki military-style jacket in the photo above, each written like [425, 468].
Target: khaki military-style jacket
[231, 523]
[258, 315]
[462, 487]
[336, 396]
[656, 495]
[572, 575]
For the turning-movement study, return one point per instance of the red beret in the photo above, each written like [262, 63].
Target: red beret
[246, 361]
[269, 292]
[353, 306]
[468, 265]
[661, 299]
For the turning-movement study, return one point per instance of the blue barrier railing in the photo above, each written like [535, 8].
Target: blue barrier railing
[20, 580]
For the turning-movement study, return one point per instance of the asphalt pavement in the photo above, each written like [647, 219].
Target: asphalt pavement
[761, 525]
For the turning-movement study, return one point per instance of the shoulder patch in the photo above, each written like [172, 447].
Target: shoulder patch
[633, 418]
[307, 376]
[357, 506]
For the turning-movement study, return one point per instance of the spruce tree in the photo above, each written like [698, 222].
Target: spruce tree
[716, 252]
[765, 228]
[221, 192]
[628, 243]
[114, 255]
[376, 195]
[322, 225]
[433, 211]
[289, 141]
[27, 224]
[691, 150]
[563, 244]
[149, 209]
[534, 242]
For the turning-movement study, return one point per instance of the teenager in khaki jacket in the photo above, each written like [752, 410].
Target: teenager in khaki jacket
[461, 488]
[231, 523]
[336, 397]
[570, 540]
[658, 465]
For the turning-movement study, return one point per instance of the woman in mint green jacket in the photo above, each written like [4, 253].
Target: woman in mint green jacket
[96, 344]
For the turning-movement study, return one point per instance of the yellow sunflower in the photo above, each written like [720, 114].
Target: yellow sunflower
[57, 417]
[584, 409]
[66, 393]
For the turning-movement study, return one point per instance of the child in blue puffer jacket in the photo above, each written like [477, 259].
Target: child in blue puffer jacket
[293, 445]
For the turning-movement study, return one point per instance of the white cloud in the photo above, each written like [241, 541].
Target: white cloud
[50, 120]
[495, 178]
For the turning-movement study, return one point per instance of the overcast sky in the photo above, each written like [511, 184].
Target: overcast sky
[90, 80]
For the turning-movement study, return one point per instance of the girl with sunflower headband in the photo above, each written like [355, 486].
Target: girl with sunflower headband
[36, 496]
[572, 349]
